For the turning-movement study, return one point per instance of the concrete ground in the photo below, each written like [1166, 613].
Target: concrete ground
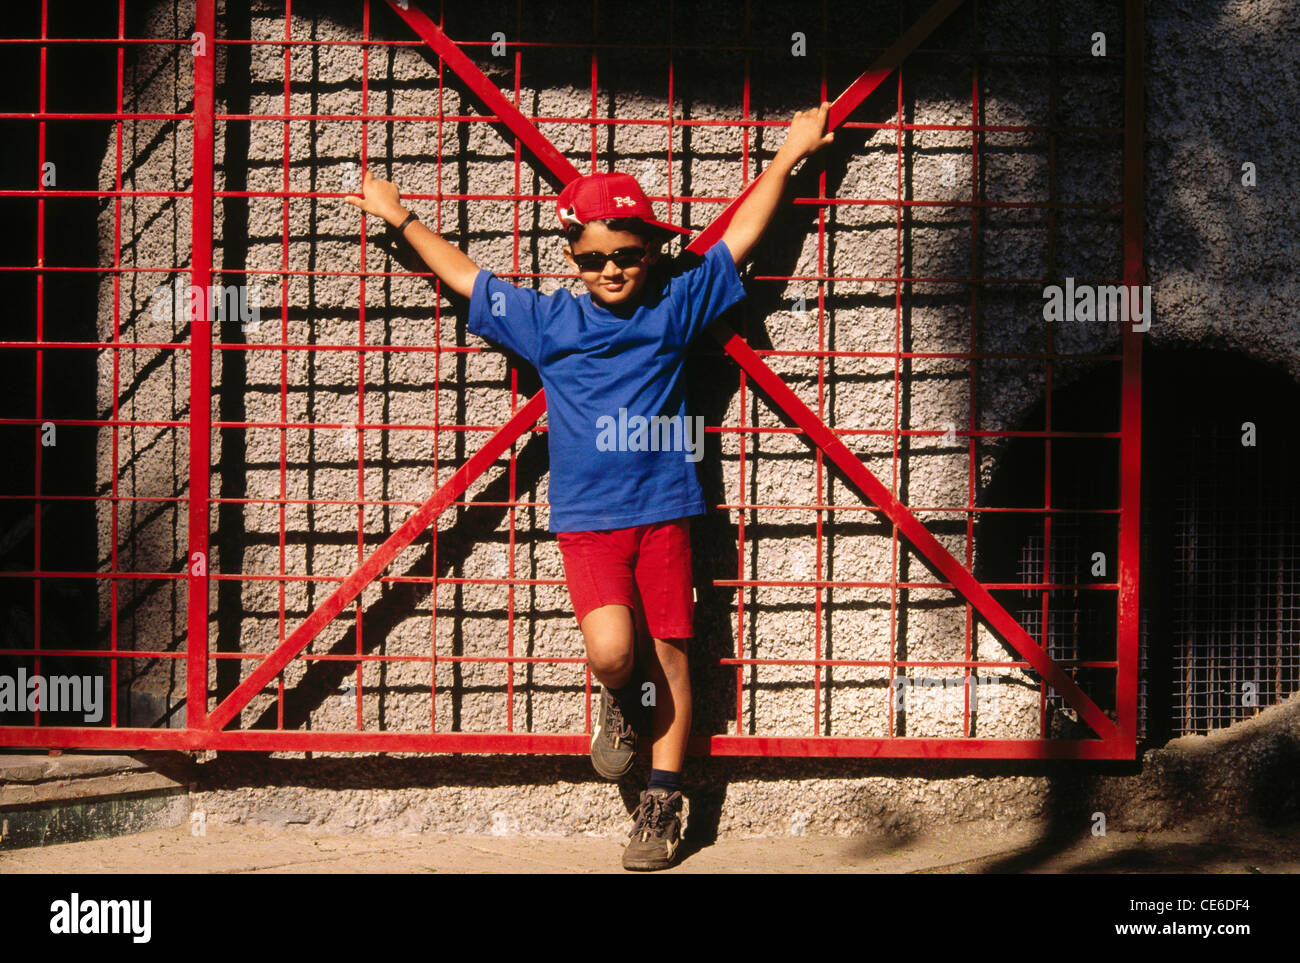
[253, 848]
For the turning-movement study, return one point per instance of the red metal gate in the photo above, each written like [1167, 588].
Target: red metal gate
[208, 719]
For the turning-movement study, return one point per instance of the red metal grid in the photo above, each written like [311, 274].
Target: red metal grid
[208, 729]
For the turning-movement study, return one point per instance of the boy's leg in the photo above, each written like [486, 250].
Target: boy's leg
[668, 668]
[598, 569]
[665, 582]
[610, 637]
[666, 586]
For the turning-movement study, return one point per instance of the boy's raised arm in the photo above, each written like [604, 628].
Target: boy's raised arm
[804, 138]
[449, 262]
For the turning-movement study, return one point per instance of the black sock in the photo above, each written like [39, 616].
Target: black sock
[665, 779]
[629, 697]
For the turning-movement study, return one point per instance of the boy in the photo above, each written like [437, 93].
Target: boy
[622, 451]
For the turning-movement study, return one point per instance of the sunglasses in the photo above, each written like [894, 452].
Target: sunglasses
[624, 257]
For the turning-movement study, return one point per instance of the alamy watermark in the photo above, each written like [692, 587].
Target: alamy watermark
[657, 433]
[53, 693]
[1089, 303]
[984, 689]
[229, 303]
[129, 917]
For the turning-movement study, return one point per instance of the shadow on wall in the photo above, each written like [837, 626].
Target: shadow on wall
[80, 79]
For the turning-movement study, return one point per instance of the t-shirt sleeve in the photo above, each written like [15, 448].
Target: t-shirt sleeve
[707, 290]
[506, 315]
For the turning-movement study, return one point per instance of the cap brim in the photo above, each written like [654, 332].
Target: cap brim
[671, 228]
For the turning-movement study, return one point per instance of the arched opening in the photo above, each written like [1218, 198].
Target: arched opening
[1220, 580]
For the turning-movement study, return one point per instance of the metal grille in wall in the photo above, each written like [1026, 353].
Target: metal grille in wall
[1236, 633]
[1222, 530]
[1220, 631]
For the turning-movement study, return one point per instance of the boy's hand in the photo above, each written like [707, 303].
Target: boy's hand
[378, 197]
[805, 135]
[453, 266]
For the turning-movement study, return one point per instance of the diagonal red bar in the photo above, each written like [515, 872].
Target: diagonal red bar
[843, 105]
[780, 393]
[422, 518]
[910, 527]
[496, 102]
[856, 92]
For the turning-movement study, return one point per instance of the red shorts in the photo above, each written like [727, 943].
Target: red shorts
[645, 567]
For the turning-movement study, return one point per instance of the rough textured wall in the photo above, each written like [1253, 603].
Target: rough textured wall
[1221, 92]
[473, 387]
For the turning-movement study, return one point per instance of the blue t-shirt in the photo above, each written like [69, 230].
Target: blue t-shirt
[622, 448]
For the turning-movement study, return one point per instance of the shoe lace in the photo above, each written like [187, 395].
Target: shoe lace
[618, 722]
[653, 815]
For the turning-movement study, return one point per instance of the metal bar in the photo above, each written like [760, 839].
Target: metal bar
[450, 580]
[197, 556]
[297, 740]
[1049, 338]
[1131, 402]
[743, 399]
[968, 628]
[358, 633]
[333, 195]
[117, 380]
[437, 420]
[40, 357]
[897, 391]
[819, 467]
[512, 470]
[487, 91]
[285, 137]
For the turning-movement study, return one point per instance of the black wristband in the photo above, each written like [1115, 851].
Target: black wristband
[409, 218]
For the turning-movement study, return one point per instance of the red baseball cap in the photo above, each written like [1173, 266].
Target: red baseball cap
[596, 196]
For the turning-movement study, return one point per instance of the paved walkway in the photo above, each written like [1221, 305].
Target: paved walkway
[234, 848]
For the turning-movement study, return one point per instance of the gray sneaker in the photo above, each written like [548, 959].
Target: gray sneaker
[658, 831]
[613, 739]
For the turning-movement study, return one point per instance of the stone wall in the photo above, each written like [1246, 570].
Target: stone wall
[1207, 71]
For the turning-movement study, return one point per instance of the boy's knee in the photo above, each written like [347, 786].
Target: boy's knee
[610, 637]
[610, 658]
